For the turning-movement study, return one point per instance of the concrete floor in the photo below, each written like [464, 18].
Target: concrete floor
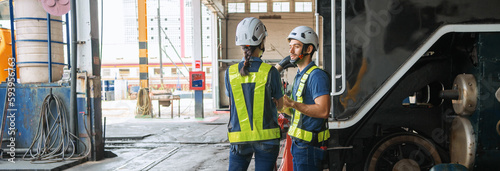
[179, 143]
[168, 144]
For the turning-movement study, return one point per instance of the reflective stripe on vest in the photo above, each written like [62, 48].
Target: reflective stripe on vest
[297, 130]
[258, 133]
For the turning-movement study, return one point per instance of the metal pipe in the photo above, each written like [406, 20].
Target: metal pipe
[317, 29]
[103, 132]
[13, 39]
[49, 44]
[175, 50]
[24, 150]
[159, 46]
[342, 52]
[333, 40]
[187, 78]
[68, 40]
[73, 105]
[342, 47]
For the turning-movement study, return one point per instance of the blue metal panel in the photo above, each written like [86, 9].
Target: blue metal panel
[83, 118]
[96, 129]
[28, 102]
[198, 104]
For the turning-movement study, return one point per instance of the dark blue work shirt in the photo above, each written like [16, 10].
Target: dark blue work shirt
[273, 90]
[317, 84]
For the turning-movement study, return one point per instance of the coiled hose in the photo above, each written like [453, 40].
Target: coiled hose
[143, 103]
[53, 139]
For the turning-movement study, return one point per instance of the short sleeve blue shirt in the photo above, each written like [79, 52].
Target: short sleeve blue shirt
[273, 90]
[317, 84]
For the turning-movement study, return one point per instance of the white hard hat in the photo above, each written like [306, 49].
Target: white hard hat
[250, 31]
[304, 34]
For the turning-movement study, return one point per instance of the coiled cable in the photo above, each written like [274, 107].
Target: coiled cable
[53, 139]
[143, 103]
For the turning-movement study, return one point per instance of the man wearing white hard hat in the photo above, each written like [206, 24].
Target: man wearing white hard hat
[309, 102]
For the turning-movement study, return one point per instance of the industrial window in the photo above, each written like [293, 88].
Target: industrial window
[303, 6]
[236, 7]
[256, 7]
[157, 71]
[281, 6]
[106, 72]
[124, 72]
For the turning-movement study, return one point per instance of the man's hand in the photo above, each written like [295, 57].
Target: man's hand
[287, 105]
[278, 103]
[287, 102]
[320, 109]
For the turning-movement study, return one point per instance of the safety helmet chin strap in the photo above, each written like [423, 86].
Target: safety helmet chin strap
[301, 55]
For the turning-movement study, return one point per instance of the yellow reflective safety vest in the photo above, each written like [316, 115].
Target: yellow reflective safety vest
[258, 133]
[297, 130]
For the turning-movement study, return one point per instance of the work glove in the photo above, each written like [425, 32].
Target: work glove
[285, 63]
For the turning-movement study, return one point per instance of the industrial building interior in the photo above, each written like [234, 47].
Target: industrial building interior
[139, 84]
[102, 55]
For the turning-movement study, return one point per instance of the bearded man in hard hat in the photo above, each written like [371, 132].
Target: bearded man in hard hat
[309, 104]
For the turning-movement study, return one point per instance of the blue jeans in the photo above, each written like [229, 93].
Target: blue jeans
[306, 157]
[241, 154]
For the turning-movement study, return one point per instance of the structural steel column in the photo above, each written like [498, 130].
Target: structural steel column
[160, 47]
[215, 61]
[143, 43]
[197, 55]
[95, 82]
[183, 37]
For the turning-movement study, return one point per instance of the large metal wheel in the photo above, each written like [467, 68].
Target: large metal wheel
[402, 152]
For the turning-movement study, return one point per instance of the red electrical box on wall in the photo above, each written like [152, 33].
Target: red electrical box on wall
[196, 80]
